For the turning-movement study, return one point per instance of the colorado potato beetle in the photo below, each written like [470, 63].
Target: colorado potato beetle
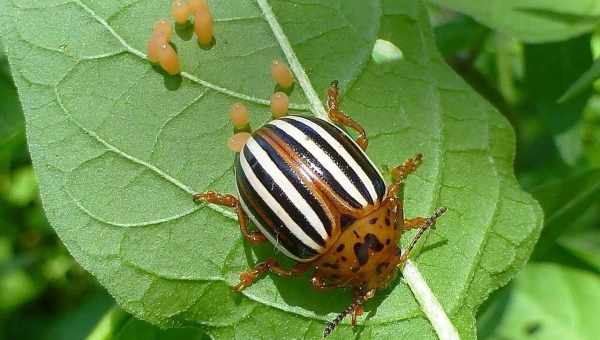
[312, 191]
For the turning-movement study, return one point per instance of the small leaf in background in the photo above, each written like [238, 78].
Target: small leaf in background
[590, 132]
[532, 21]
[118, 151]
[585, 245]
[550, 132]
[583, 83]
[23, 187]
[564, 202]
[549, 302]
[549, 69]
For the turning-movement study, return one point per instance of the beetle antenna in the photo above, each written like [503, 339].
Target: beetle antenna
[333, 324]
[355, 304]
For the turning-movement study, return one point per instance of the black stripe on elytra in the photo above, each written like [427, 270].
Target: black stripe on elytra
[334, 155]
[317, 168]
[276, 228]
[280, 196]
[286, 169]
[355, 152]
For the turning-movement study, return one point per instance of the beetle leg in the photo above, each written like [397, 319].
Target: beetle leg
[429, 223]
[269, 265]
[413, 223]
[402, 171]
[254, 237]
[341, 118]
[358, 310]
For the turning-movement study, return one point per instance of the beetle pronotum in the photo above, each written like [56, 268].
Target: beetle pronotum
[315, 195]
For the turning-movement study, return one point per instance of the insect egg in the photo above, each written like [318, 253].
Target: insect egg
[180, 11]
[279, 104]
[239, 115]
[237, 141]
[157, 39]
[197, 5]
[164, 26]
[168, 58]
[203, 26]
[281, 74]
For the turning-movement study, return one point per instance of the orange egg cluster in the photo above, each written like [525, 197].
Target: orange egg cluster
[203, 20]
[281, 74]
[180, 10]
[236, 142]
[279, 104]
[239, 115]
[240, 119]
[160, 50]
[203, 26]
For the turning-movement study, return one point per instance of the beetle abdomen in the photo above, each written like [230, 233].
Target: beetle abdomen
[296, 176]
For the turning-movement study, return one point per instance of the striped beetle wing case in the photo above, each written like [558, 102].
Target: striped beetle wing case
[301, 180]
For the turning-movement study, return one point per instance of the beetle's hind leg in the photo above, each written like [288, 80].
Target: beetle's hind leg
[270, 265]
[341, 118]
[254, 237]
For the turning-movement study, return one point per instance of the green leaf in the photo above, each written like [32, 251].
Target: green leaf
[533, 21]
[119, 325]
[564, 306]
[583, 83]
[11, 116]
[564, 202]
[567, 60]
[585, 245]
[119, 148]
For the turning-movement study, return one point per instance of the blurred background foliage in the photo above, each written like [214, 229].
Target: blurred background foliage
[547, 91]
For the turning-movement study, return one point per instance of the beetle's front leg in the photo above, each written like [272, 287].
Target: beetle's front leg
[270, 265]
[254, 237]
[429, 223]
[341, 118]
[402, 171]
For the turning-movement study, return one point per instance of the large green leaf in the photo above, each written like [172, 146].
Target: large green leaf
[532, 21]
[119, 148]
